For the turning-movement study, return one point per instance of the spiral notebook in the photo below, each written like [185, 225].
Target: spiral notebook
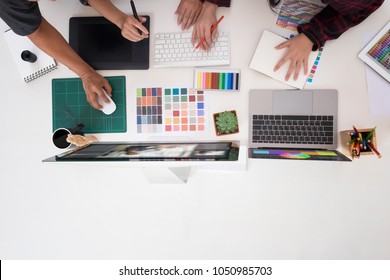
[266, 57]
[28, 70]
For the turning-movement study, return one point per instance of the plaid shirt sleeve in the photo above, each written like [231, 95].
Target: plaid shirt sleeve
[220, 3]
[336, 18]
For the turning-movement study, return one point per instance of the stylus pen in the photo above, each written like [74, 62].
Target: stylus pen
[213, 27]
[135, 14]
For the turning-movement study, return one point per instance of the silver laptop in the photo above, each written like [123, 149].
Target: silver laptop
[286, 121]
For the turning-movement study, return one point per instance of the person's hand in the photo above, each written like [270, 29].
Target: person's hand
[299, 49]
[203, 25]
[187, 12]
[94, 84]
[130, 29]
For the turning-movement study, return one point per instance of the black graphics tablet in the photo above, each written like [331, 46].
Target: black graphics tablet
[101, 44]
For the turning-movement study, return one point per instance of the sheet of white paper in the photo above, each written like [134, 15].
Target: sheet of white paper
[266, 57]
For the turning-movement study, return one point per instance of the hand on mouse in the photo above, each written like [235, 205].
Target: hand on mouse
[93, 84]
[130, 28]
[299, 49]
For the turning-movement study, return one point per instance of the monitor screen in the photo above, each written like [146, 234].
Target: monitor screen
[153, 151]
[101, 44]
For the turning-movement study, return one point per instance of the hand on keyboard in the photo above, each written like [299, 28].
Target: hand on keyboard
[176, 50]
[202, 28]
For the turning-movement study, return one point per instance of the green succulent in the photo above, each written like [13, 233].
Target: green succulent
[227, 122]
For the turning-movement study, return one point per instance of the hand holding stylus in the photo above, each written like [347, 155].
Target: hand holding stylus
[132, 28]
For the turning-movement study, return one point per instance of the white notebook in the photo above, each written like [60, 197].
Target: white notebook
[29, 71]
[266, 57]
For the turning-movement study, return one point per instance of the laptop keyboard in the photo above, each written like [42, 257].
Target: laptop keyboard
[292, 129]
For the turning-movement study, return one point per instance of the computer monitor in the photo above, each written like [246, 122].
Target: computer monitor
[175, 157]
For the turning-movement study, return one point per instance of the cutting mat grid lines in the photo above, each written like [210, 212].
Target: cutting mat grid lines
[70, 107]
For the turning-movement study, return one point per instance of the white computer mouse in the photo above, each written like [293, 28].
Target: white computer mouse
[108, 108]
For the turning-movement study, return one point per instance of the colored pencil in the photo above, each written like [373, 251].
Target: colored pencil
[369, 135]
[374, 150]
[213, 27]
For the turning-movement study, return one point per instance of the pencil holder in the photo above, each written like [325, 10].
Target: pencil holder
[360, 142]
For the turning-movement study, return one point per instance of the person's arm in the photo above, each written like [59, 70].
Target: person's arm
[188, 12]
[49, 40]
[128, 24]
[333, 21]
[219, 3]
[326, 25]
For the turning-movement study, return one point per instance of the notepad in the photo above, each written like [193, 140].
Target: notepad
[266, 57]
[28, 70]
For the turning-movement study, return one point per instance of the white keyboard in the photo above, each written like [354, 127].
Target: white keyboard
[176, 50]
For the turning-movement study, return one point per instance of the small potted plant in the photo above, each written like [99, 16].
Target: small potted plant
[226, 122]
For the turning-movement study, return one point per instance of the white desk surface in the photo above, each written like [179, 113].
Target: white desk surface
[275, 210]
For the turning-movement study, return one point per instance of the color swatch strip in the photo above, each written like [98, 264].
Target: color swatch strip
[217, 80]
[149, 110]
[170, 110]
[315, 66]
[381, 51]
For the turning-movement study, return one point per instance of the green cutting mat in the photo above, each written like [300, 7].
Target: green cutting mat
[70, 106]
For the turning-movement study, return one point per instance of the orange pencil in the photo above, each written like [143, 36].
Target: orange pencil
[213, 27]
[374, 150]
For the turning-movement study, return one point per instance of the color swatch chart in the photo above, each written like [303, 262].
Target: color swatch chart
[149, 110]
[381, 51]
[206, 79]
[170, 110]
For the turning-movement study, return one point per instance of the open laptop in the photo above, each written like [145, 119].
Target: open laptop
[294, 124]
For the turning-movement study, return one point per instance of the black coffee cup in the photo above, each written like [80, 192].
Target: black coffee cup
[28, 56]
[60, 135]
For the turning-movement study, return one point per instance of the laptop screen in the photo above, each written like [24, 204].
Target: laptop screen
[153, 151]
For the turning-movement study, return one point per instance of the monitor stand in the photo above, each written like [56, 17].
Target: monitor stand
[167, 175]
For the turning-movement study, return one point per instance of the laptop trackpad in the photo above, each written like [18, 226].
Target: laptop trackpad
[294, 102]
